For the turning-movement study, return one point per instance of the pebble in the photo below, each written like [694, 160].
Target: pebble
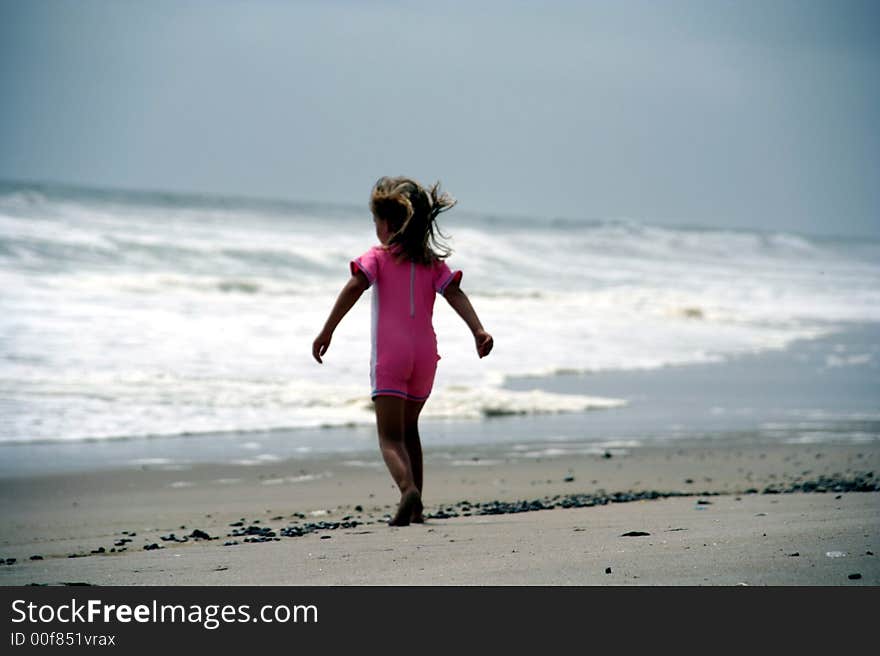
[608, 570]
[152, 547]
[795, 554]
[36, 557]
[252, 530]
[634, 534]
[173, 538]
[198, 534]
[854, 577]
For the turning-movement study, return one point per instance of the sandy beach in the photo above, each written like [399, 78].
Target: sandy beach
[732, 517]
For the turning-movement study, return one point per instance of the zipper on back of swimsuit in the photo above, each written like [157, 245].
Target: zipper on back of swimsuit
[412, 283]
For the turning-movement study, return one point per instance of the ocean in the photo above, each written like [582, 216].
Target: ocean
[133, 315]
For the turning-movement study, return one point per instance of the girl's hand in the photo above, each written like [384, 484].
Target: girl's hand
[320, 345]
[484, 343]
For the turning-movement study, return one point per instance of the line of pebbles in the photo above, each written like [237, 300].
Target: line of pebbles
[253, 532]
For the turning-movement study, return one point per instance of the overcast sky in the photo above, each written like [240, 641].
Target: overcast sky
[742, 114]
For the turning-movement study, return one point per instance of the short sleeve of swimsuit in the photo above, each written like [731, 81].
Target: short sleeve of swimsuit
[443, 277]
[368, 264]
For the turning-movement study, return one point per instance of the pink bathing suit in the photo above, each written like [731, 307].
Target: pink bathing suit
[404, 357]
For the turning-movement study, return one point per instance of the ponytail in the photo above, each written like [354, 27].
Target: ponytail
[411, 212]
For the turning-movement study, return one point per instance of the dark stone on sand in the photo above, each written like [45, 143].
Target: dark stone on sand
[359, 508]
[854, 577]
[326, 537]
[36, 557]
[152, 547]
[795, 554]
[606, 455]
[688, 481]
[10, 561]
[703, 502]
[568, 479]
[264, 532]
[634, 534]
[231, 543]
[869, 553]
[99, 550]
[237, 524]
[76, 583]
[198, 534]
[608, 570]
[857, 483]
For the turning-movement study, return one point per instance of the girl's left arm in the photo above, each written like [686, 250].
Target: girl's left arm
[462, 305]
[349, 295]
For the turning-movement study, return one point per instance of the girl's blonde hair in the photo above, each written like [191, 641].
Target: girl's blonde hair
[411, 212]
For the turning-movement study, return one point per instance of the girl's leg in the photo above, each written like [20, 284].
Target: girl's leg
[390, 425]
[413, 442]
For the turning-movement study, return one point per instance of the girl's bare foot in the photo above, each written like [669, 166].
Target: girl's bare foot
[417, 517]
[408, 503]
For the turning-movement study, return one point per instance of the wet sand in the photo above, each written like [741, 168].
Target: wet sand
[714, 514]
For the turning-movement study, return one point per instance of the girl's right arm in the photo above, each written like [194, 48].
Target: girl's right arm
[349, 295]
[462, 305]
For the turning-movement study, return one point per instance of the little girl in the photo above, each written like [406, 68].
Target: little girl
[405, 273]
